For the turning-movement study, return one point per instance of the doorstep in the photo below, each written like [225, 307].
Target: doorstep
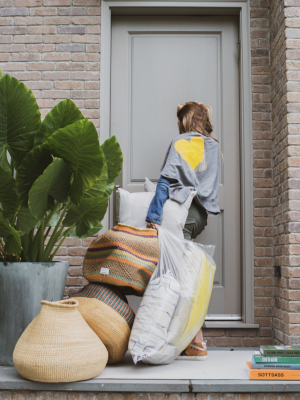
[225, 370]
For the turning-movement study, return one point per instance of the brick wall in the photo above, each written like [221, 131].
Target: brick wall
[53, 46]
[55, 395]
[262, 152]
[285, 72]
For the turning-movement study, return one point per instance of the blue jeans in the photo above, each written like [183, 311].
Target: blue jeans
[158, 201]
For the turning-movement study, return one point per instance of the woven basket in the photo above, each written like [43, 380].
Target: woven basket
[59, 346]
[125, 257]
[109, 317]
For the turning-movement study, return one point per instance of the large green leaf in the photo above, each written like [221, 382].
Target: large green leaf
[33, 165]
[8, 194]
[55, 183]
[11, 237]
[20, 118]
[3, 159]
[26, 221]
[87, 216]
[114, 160]
[63, 114]
[99, 187]
[1, 74]
[78, 145]
[88, 233]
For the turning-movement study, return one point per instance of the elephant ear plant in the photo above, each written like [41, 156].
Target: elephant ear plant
[55, 177]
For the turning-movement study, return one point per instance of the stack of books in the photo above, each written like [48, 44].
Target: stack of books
[276, 363]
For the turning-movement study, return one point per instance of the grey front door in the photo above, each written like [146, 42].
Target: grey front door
[158, 62]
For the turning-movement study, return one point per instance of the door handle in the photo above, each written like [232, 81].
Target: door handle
[116, 205]
[116, 198]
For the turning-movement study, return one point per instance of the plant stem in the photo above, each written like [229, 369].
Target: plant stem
[41, 242]
[30, 234]
[15, 218]
[3, 255]
[12, 167]
[47, 232]
[25, 245]
[51, 214]
[54, 237]
[66, 233]
[61, 216]
[46, 222]
[29, 246]
[35, 245]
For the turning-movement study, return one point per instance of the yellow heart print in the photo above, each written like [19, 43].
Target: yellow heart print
[192, 152]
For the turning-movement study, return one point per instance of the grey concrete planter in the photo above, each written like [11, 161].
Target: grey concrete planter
[22, 287]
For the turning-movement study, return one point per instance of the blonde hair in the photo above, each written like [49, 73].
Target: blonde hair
[195, 117]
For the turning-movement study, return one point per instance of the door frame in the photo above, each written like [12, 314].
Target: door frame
[212, 7]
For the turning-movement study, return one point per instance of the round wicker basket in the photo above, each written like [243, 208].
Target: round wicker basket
[109, 326]
[109, 316]
[59, 346]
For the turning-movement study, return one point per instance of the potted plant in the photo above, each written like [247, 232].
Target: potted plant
[55, 181]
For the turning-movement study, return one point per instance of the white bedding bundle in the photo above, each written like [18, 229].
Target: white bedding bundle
[175, 302]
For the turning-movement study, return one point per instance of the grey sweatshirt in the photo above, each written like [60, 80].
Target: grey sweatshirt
[192, 163]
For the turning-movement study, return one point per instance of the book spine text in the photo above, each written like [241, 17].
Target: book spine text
[282, 360]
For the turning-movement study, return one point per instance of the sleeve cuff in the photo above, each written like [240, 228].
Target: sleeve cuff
[153, 218]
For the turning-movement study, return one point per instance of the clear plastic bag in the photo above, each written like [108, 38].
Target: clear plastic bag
[175, 303]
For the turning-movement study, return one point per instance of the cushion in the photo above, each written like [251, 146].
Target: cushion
[150, 333]
[109, 317]
[134, 208]
[125, 257]
[149, 186]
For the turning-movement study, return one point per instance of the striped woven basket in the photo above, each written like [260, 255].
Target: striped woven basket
[109, 316]
[59, 346]
[125, 257]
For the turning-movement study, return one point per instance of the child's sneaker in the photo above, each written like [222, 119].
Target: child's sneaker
[194, 352]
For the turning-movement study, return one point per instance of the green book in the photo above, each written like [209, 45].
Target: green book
[280, 350]
[277, 360]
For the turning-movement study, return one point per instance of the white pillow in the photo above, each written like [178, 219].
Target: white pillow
[134, 208]
[149, 186]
